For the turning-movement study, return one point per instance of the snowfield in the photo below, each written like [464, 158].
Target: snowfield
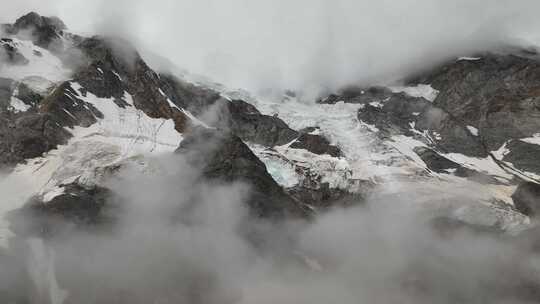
[124, 135]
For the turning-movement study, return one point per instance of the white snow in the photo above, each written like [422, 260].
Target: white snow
[421, 90]
[129, 128]
[468, 58]
[18, 105]
[376, 104]
[406, 145]
[45, 66]
[487, 165]
[123, 136]
[535, 139]
[282, 170]
[117, 75]
[473, 130]
[52, 193]
[316, 132]
[171, 104]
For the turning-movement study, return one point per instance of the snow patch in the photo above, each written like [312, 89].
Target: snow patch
[535, 139]
[421, 90]
[376, 104]
[52, 193]
[469, 58]
[18, 105]
[46, 66]
[473, 130]
[486, 165]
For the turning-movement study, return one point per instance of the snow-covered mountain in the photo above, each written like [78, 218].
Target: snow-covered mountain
[461, 141]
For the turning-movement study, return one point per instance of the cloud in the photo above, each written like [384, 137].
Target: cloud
[301, 44]
[180, 240]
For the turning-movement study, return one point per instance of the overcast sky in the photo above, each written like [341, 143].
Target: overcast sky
[299, 44]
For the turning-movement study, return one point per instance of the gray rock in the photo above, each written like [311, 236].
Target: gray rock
[78, 207]
[316, 144]
[6, 91]
[46, 31]
[524, 156]
[236, 116]
[498, 94]
[323, 197]
[28, 136]
[125, 71]
[224, 158]
[527, 199]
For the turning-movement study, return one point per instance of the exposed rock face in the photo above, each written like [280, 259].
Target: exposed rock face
[323, 197]
[77, 206]
[6, 91]
[46, 31]
[497, 94]
[69, 110]
[315, 143]
[28, 136]
[524, 156]
[25, 135]
[223, 157]
[114, 68]
[482, 104]
[236, 116]
[395, 114]
[250, 125]
[78, 203]
[527, 199]
[194, 98]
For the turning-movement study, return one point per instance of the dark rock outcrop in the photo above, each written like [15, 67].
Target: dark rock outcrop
[323, 197]
[247, 123]
[78, 206]
[498, 94]
[46, 31]
[524, 156]
[67, 109]
[28, 136]
[527, 199]
[236, 116]
[395, 115]
[115, 67]
[6, 91]
[315, 143]
[195, 99]
[224, 158]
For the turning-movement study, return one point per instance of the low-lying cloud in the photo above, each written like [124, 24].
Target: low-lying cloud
[177, 240]
[304, 45]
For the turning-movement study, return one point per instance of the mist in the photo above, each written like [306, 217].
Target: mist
[176, 238]
[309, 46]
